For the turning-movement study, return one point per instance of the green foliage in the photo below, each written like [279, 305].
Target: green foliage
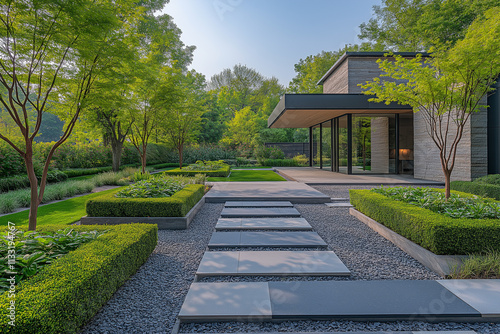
[479, 267]
[86, 278]
[279, 162]
[158, 186]
[493, 179]
[221, 172]
[456, 206]
[436, 232]
[85, 171]
[265, 152]
[301, 160]
[249, 176]
[34, 250]
[178, 205]
[206, 165]
[11, 162]
[478, 188]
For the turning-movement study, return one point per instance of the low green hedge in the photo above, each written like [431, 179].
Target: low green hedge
[86, 171]
[178, 205]
[436, 232]
[222, 172]
[21, 181]
[63, 296]
[279, 163]
[477, 188]
[167, 165]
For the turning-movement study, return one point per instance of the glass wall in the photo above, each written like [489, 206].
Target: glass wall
[343, 143]
[326, 145]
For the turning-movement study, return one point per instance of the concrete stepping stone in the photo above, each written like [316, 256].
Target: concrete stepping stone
[272, 263]
[259, 212]
[368, 300]
[339, 205]
[481, 294]
[340, 199]
[392, 332]
[266, 239]
[298, 224]
[223, 301]
[385, 300]
[258, 204]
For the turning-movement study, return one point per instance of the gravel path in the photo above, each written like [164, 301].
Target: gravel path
[150, 300]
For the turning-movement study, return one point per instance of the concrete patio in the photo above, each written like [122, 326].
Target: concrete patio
[316, 176]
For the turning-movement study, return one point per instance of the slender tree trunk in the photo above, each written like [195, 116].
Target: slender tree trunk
[28, 160]
[180, 149]
[447, 185]
[116, 149]
[143, 158]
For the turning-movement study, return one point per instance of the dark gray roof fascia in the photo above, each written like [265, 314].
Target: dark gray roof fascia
[365, 54]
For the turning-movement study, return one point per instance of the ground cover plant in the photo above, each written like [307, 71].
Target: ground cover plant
[456, 206]
[158, 186]
[479, 267]
[35, 250]
[209, 168]
[248, 175]
[61, 213]
[64, 295]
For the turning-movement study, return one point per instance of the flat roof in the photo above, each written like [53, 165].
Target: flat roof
[366, 54]
[306, 110]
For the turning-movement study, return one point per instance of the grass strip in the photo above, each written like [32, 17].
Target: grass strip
[61, 213]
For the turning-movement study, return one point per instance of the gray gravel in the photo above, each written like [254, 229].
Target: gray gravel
[150, 301]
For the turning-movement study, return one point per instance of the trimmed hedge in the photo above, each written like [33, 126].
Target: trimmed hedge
[178, 205]
[22, 181]
[436, 232]
[279, 163]
[63, 296]
[86, 171]
[222, 172]
[477, 188]
[167, 165]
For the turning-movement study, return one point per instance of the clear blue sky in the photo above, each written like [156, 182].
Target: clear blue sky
[267, 35]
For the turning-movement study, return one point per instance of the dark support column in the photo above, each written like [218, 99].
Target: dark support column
[396, 156]
[321, 145]
[311, 152]
[332, 147]
[349, 144]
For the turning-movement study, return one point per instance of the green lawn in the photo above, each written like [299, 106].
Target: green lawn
[64, 212]
[248, 175]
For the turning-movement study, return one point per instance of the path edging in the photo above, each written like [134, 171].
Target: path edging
[443, 265]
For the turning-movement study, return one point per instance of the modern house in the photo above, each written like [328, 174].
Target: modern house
[354, 136]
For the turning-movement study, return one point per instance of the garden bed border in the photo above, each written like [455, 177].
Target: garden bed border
[440, 264]
[164, 223]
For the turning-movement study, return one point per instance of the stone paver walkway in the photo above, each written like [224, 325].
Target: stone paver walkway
[259, 212]
[266, 239]
[296, 224]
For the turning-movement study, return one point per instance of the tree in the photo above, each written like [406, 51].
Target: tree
[182, 118]
[448, 87]
[52, 51]
[419, 25]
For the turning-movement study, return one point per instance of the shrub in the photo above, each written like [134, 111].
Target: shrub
[301, 160]
[86, 171]
[436, 232]
[279, 163]
[490, 179]
[264, 152]
[477, 188]
[178, 205]
[157, 187]
[11, 162]
[62, 297]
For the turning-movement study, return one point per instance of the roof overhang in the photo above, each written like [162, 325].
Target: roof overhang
[306, 110]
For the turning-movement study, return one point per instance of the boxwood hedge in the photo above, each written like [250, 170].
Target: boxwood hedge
[477, 188]
[222, 172]
[178, 205]
[66, 294]
[436, 232]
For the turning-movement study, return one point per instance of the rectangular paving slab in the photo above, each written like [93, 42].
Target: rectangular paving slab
[367, 300]
[259, 212]
[266, 239]
[481, 294]
[259, 204]
[297, 224]
[223, 301]
[271, 263]
[294, 192]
